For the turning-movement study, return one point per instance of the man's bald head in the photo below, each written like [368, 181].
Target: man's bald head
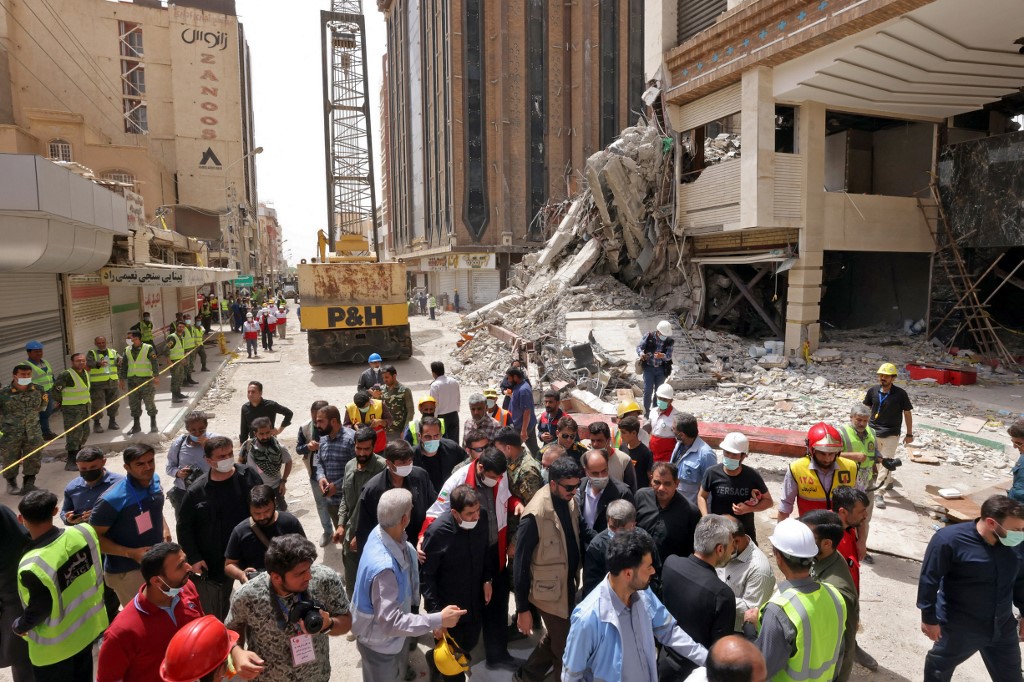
[734, 659]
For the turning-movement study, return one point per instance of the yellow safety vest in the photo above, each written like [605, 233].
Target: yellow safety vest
[375, 412]
[70, 568]
[42, 375]
[177, 351]
[188, 339]
[414, 427]
[146, 330]
[820, 620]
[99, 375]
[78, 392]
[197, 335]
[140, 365]
[810, 493]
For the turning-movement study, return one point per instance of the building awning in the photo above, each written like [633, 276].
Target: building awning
[53, 220]
[162, 275]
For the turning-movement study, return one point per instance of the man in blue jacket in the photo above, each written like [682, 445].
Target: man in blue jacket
[613, 629]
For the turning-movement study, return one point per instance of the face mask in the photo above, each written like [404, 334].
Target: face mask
[544, 476]
[1013, 537]
[92, 475]
[171, 592]
[224, 465]
[403, 471]
[188, 323]
[194, 439]
[491, 404]
[599, 483]
[364, 410]
[468, 525]
[490, 482]
[662, 405]
[128, 342]
[431, 446]
[24, 381]
[730, 464]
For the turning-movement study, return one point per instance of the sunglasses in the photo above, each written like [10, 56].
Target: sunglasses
[567, 488]
[477, 449]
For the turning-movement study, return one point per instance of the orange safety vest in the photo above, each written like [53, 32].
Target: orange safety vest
[810, 494]
[503, 417]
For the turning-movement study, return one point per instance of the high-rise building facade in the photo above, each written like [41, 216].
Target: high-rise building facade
[493, 108]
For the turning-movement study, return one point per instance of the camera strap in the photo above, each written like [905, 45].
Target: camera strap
[258, 532]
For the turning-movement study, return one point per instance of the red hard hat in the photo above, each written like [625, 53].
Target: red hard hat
[197, 650]
[824, 438]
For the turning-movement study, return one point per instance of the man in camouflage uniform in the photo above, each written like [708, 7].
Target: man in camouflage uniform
[198, 334]
[398, 399]
[102, 363]
[138, 366]
[524, 477]
[176, 354]
[20, 405]
[71, 390]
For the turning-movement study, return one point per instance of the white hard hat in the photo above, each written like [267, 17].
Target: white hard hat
[665, 327]
[736, 443]
[665, 391]
[795, 539]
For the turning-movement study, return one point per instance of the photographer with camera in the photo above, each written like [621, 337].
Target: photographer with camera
[890, 407]
[246, 552]
[286, 615]
[186, 460]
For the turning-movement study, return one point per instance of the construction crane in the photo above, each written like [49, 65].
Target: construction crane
[351, 196]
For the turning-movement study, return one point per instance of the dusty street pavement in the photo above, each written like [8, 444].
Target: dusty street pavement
[890, 621]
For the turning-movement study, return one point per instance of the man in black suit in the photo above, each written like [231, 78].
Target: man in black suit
[702, 604]
[596, 492]
[436, 455]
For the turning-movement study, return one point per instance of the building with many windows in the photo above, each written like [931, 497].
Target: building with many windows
[493, 107]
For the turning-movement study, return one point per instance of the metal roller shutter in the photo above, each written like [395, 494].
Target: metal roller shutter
[462, 284]
[32, 311]
[445, 284]
[485, 286]
[90, 311]
[124, 312]
[696, 15]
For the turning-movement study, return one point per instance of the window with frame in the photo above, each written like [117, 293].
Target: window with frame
[131, 39]
[122, 176]
[133, 78]
[59, 150]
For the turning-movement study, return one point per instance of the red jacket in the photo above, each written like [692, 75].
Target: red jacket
[848, 548]
[135, 643]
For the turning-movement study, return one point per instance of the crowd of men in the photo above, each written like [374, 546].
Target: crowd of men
[638, 560]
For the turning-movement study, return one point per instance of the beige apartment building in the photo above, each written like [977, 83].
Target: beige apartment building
[152, 100]
[811, 130]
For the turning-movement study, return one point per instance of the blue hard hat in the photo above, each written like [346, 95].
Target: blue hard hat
[33, 345]
[375, 357]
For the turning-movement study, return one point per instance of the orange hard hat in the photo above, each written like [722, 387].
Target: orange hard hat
[197, 650]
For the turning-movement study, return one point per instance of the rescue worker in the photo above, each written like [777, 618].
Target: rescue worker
[102, 364]
[198, 336]
[859, 445]
[20, 405]
[365, 411]
[654, 353]
[890, 408]
[188, 343]
[205, 314]
[502, 416]
[427, 407]
[42, 376]
[630, 409]
[139, 370]
[63, 566]
[176, 354]
[205, 650]
[370, 375]
[72, 389]
[144, 327]
[810, 480]
[802, 612]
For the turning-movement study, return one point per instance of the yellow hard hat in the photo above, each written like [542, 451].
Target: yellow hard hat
[449, 658]
[626, 408]
[889, 369]
[426, 399]
[490, 393]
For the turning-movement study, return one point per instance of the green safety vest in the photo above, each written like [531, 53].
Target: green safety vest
[177, 351]
[146, 329]
[99, 375]
[413, 427]
[188, 339]
[820, 619]
[70, 568]
[77, 393]
[224, 305]
[139, 365]
[42, 376]
[197, 335]
[866, 446]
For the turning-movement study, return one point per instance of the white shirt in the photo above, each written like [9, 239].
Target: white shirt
[751, 578]
[445, 391]
[590, 505]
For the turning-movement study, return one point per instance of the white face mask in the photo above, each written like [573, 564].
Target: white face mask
[224, 465]
[491, 404]
[599, 483]
[468, 525]
[403, 471]
[24, 381]
[490, 482]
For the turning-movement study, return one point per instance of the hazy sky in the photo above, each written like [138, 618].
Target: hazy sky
[284, 38]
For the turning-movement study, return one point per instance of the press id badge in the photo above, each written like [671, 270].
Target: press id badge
[144, 522]
[302, 650]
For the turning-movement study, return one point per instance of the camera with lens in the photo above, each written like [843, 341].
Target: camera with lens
[307, 611]
[891, 463]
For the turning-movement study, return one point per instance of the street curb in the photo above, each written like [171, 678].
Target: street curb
[183, 410]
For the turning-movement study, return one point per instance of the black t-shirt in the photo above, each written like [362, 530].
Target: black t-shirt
[643, 460]
[248, 550]
[887, 410]
[725, 490]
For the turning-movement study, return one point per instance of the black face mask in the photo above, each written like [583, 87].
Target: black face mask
[92, 475]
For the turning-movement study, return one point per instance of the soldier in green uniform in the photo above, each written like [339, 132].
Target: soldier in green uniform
[42, 376]
[20, 405]
[398, 399]
[188, 342]
[176, 354]
[206, 314]
[102, 364]
[137, 367]
[72, 389]
[198, 334]
[145, 327]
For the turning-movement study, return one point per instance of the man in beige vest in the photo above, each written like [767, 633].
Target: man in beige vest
[547, 567]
